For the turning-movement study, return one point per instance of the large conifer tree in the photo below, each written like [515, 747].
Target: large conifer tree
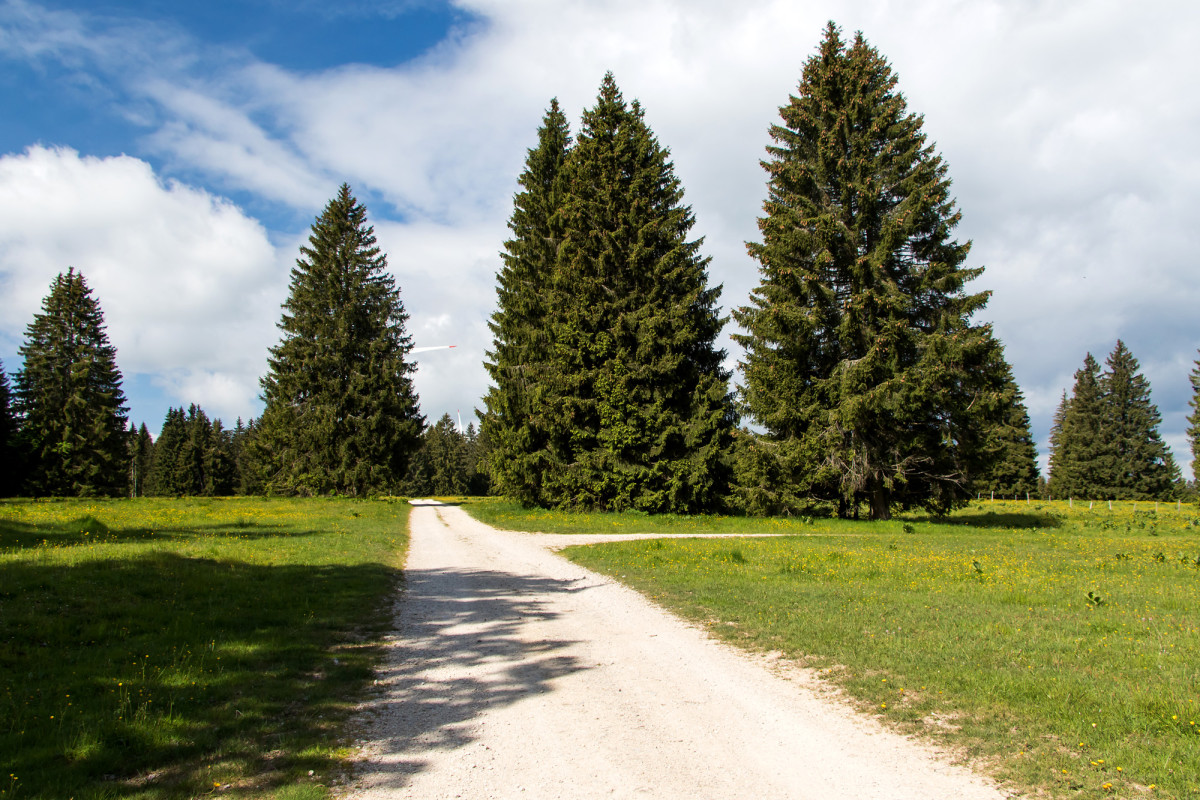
[1135, 463]
[636, 404]
[1075, 445]
[861, 361]
[69, 399]
[516, 421]
[341, 413]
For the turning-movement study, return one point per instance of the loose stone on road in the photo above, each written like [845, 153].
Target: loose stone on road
[514, 673]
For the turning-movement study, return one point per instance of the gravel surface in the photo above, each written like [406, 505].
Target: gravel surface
[514, 673]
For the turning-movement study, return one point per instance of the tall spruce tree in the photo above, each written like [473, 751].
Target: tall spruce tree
[516, 421]
[478, 449]
[1075, 448]
[642, 409]
[141, 458]
[69, 399]
[1193, 431]
[861, 361]
[249, 474]
[1056, 452]
[1135, 463]
[9, 471]
[169, 475]
[341, 413]
[446, 451]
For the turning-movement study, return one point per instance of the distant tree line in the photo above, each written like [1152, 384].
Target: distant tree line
[1104, 443]
[867, 385]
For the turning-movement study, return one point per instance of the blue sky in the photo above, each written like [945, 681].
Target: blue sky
[59, 103]
[177, 153]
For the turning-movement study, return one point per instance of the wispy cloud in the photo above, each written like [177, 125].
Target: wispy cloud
[188, 284]
[1068, 128]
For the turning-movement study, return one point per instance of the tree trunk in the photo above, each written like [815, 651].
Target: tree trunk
[881, 506]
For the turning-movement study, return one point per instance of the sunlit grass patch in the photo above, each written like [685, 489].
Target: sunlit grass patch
[1059, 647]
[173, 648]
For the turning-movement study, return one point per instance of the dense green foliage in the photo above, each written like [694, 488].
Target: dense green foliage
[69, 400]
[861, 362]
[9, 469]
[194, 456]
[609, 388]
[341, 414]
[158, 649]
[141, 460]
[1105, 442]
[1009, 460]
[448, 463]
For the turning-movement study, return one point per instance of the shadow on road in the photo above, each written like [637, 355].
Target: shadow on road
[460, 651]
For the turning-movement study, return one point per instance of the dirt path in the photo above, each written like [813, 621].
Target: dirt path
[516, 674]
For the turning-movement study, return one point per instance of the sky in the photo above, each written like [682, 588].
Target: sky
[177, 153]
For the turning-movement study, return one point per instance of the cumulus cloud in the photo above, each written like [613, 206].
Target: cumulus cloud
[189, 285]
[1068, 129]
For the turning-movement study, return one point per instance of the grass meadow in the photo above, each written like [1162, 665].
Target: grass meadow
[1057, 647]
[179, 648]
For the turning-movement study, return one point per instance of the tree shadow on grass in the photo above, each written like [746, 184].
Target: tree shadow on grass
[462, 648]
[990, 519]
[87, 530]
[156, 675]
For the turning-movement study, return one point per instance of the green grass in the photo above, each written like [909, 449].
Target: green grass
[508, 515]
[1058, 648]
[177, 648]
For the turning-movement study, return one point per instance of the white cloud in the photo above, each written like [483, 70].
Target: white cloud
[188, 284]
[1068, 128]
[445, 274]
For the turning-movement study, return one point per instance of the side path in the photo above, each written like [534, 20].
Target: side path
[514, 673]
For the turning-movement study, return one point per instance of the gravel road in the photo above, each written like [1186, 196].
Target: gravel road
[514, 673]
